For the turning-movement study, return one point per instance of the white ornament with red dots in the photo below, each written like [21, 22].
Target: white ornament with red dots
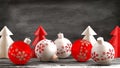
[46, 50]
[63, 46]
[102, 52]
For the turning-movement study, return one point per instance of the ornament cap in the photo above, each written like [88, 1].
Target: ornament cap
[100, 40]
[27, 40]
[60, 35]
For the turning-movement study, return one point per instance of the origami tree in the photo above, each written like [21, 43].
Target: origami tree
[89, 32]
[115, 40]
[5, 42]
[40, 35]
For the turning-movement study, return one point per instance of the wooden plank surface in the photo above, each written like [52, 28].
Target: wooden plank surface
[33, 63]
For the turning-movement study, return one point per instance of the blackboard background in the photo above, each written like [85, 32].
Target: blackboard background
[68, 16]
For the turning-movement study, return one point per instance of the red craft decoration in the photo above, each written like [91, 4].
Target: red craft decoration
[81, 50]
[19, 53]
[115, 40]
[40, 35]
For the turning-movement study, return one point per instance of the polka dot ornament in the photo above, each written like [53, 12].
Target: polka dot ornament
[19, 53]
[81, 50]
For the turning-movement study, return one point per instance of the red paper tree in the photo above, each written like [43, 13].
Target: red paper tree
[115, 40]
[40, 35]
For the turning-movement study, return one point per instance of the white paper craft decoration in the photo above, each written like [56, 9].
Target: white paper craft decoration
[5, 42]
[89, 32]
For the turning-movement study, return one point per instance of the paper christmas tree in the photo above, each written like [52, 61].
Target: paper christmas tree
[115, 40]
[5, 42]
[40, 35]
[89, 32]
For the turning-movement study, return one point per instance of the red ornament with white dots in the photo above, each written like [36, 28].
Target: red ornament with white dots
[19, 53]
[63, 46]
[102, 52]
[81, 50]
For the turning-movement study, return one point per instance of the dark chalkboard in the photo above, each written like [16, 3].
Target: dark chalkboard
[68, 16]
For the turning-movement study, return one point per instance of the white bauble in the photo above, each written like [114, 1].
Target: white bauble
[63, 46]
[45, 50]
[102, 52]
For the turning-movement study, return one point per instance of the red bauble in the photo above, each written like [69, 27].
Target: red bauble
[19, 53]
[81, 50]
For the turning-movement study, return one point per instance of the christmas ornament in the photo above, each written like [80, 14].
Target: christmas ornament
[89, 32]
[115, 41]
[46, 50]
[63, 46]
[5, 42]
[81, 50]
[102, 52]
[19, 53]
[40, 35]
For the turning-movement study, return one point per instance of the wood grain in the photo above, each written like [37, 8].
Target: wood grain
[62, 62]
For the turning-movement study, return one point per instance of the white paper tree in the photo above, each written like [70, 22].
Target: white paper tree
[5, 42]
[89, 32]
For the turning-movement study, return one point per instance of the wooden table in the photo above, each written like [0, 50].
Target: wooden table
[66, 63]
